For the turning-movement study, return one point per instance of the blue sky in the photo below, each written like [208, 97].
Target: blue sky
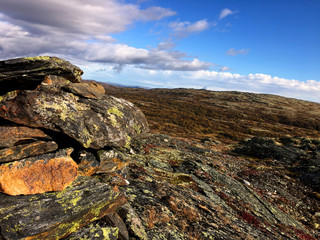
[246, 45]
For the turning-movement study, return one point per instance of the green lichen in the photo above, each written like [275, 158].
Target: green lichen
[9, 96]
[137, 128]
[88, 138]
[113, 114]
[128, 141]
[42, 58]
[64, 107]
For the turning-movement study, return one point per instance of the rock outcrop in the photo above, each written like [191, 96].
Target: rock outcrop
[53, 129]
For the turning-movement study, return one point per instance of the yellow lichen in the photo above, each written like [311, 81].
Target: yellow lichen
[115, 111]
[42, 58]
[106, 232]
[128, 141]
[137, 128]
[64, 107]
[88, 137]
[9, 95]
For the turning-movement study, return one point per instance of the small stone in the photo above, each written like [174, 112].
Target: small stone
[43, 173]
[88, 163]
[87, 89]
[53, 80]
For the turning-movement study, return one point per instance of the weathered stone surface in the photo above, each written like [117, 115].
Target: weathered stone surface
[95, 231]
[301, 155]
[12, 135]
[53, 80]
[87, 89]
[43, 173]
[132, 221]
[113, 219]
[94, 123]
[26, 150]
[58, 214]
[183, 190]
[88, 163]
[112, 161]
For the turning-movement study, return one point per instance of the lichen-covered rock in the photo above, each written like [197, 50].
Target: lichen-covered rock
[26, 73]
[55, 215]
[26, 150]
[113, 219]
[94, 123]
[43, 173]
[183, 190]
[95, 232]
[87, 89]
[112, 161]
[132, 221]
[12, 135]
[301, 155]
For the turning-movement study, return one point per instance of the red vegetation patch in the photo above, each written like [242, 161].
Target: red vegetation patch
[249, 218]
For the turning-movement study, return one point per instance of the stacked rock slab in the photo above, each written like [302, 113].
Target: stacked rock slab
[52, 126]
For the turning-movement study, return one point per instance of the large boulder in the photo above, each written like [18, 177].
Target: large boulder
[94, 123]
[26, 73]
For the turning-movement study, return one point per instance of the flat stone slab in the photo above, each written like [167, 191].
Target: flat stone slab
[28, 72]
[11, 135]
[26, 150]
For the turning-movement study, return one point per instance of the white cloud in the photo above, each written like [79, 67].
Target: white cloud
[234, 52]
[183, 29]
[224, 69]
[226, 12]
[166, 45]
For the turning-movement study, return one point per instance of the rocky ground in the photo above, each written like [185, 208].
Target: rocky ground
[77, 163]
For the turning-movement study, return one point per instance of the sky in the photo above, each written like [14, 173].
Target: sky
[243, 45]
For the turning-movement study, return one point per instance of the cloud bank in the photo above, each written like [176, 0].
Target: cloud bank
[78, 29]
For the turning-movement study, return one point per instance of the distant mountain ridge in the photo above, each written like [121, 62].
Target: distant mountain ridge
[222, 115]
